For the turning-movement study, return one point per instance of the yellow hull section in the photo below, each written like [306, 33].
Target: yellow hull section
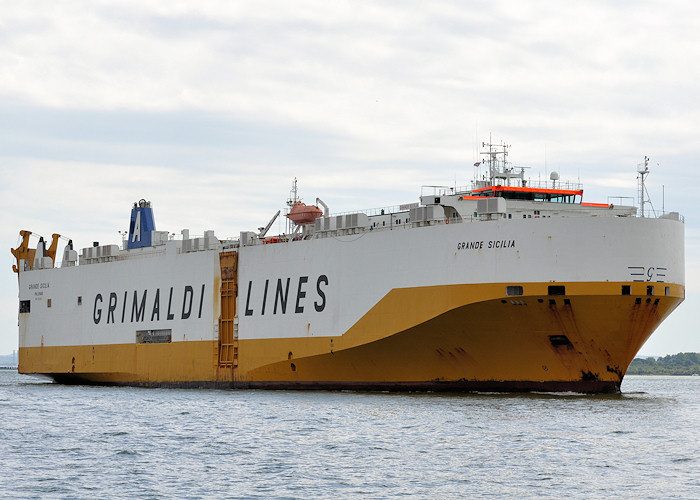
[457, 337]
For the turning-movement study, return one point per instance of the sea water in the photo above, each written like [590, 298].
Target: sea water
[116, 442]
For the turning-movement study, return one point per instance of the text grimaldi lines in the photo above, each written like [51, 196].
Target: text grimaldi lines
[276, 295]
[139, 305]
[279, 296]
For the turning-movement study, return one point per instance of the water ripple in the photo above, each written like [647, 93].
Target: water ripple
[88, 442]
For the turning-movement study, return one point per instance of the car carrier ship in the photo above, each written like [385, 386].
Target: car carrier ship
[508, 285]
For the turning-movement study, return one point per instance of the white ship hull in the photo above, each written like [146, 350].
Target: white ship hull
[411, 307]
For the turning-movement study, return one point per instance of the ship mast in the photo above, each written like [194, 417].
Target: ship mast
[642, 172]
[293, 199]
[497, 160]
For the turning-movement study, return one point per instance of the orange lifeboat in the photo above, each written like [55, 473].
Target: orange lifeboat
[302, 214]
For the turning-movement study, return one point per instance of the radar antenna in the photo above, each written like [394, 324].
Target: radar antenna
[500, 170]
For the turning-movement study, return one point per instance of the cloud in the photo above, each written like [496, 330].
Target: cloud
[384, 72]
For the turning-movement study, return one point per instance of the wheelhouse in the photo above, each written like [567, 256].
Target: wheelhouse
[531, 194]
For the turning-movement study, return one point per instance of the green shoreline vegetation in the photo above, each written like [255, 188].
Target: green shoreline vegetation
[684, 363]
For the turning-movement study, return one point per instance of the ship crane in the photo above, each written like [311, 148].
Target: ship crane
[264, 230]
[23, 252]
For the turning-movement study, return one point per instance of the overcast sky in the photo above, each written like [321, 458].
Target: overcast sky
[210, 109]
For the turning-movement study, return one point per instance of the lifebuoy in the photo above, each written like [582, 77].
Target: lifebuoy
[447, 221]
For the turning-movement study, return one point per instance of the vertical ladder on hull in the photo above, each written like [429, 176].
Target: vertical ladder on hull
[228, 328]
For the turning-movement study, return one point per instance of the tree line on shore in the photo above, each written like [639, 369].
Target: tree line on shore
[684, 363]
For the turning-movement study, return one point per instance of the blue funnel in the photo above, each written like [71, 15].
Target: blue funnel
[142, 223]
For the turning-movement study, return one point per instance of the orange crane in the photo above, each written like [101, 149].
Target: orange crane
[24, 252]
[51, 251]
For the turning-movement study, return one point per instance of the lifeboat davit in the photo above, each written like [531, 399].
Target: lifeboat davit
[302, 214]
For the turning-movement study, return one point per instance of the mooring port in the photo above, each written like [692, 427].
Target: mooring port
[567, 302]
[294, 367]
[638, 300]
[552, 302]
[560, 340]
[656, 302]
[588, 376]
